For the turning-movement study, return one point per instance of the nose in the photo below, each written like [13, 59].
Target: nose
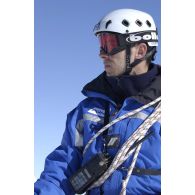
[104, 55]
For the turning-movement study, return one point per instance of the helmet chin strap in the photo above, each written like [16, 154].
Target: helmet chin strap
[129, 66]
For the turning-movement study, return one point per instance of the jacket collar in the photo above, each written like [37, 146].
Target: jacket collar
[100, 87]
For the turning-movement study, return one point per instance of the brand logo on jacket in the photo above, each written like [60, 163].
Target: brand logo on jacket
[97, 111]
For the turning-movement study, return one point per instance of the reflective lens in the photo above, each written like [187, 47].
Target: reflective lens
[109, 43]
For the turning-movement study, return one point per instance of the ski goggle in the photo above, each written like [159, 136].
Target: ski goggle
[110, 43]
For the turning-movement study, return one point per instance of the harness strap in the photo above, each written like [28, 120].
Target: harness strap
[104, 134]
[140, 172]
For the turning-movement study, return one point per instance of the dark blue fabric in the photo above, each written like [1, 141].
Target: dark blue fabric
[144, 88]
[130, 85]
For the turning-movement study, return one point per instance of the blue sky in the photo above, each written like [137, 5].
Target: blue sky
[66, 58]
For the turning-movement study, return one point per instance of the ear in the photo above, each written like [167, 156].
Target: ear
[141, 50]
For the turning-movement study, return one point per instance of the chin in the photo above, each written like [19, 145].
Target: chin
[110, 74]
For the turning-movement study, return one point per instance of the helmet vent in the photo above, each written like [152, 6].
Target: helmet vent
[138, 22]
[148, 23]
[125, 23]
[107, 23]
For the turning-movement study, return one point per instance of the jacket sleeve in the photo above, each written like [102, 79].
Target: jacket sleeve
[61, 163]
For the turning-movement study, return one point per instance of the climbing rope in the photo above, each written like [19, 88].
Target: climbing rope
[129, 114]
[125, 152]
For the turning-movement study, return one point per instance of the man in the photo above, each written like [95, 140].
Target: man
[123, 157]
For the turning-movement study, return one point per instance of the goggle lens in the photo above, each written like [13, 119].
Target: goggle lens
[108, 43]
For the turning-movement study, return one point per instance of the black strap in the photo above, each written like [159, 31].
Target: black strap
[106, 115]
[106, 121]
[129, 66]
[106, 118]
[138, 171]
[128, 58]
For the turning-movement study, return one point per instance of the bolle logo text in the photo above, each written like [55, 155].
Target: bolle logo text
[138, 37]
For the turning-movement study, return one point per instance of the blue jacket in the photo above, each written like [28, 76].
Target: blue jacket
[82, 123]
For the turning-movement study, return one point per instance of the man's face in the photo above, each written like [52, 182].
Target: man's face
[110, 51]
[112, 54]
[114, 65]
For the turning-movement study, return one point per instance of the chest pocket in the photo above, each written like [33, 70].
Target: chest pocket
[86, 128]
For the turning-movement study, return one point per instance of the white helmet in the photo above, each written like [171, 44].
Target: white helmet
[122, 29]
[130, 21]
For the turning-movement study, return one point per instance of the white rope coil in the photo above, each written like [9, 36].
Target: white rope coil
[129, 172]
[129, 114]
[123, 153]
